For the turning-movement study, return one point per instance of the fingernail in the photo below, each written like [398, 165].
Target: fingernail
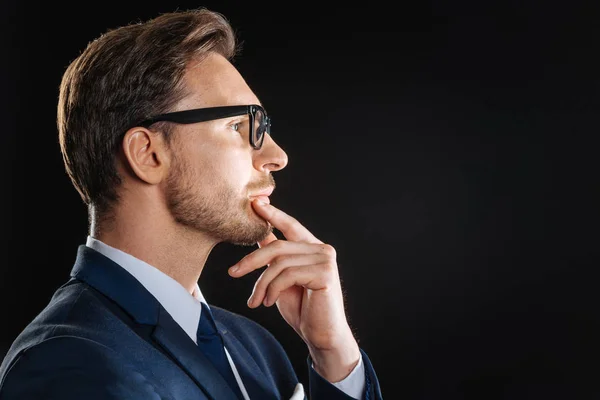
[260, 202]
[266, 302]
[250, 302]
[234, 269]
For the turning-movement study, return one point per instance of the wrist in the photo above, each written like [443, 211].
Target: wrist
[335, 363]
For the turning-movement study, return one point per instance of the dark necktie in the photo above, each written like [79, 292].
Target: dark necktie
[211, 344]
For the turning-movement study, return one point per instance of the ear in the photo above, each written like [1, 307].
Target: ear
[146, 154]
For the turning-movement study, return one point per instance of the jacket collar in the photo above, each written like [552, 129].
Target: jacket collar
[116, 283]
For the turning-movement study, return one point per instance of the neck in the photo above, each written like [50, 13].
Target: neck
[160, 241]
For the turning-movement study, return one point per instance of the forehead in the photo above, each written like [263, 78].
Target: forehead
[214, 81]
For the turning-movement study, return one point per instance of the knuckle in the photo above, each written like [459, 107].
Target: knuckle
[277, 263]
[278, 244]
[328, 250]
[274, 287]
[282, 279]
[286, 274]
[329, 267]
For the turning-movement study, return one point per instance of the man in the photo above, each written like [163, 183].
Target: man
[172, 153]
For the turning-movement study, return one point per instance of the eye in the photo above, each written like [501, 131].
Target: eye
[239, 126]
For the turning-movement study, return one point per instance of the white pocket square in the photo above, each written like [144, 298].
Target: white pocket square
[298, 393]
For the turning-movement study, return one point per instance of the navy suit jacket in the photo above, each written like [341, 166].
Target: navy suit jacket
[104, 336]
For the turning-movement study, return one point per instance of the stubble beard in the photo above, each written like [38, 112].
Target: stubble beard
[221, 214]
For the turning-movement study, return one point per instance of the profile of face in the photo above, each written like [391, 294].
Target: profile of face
[215, 172]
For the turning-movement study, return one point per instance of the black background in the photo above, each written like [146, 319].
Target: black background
[444, 149]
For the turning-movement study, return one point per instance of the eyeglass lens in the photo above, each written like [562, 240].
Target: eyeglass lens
[260, 127]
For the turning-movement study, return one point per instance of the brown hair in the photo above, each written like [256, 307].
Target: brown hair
[125, 76]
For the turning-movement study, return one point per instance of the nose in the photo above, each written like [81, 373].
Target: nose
[270, 157]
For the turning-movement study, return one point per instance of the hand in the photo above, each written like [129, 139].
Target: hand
[302, 279]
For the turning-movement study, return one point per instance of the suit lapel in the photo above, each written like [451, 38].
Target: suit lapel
[254, 379]
[119, 285]
[185, 353]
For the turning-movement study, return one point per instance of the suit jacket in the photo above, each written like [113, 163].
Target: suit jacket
[104, 336]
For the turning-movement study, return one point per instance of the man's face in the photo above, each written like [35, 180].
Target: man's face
[215, 171]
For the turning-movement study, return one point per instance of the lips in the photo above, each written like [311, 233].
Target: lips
[264, 199]
[262, 195]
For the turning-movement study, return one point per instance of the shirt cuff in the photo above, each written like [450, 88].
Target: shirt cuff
[354, 384]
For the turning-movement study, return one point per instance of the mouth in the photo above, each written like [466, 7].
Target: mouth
[262, 195]
[264, 199]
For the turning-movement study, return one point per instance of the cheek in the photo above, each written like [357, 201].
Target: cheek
[225, 168]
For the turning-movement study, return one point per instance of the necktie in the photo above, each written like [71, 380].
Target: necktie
[211, 344]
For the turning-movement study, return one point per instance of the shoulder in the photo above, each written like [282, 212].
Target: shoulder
[71, 367]
[63, 350]
[73, 301]
[74, 318]
[56, 315]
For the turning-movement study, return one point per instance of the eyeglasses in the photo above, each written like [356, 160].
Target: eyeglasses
[260, 123]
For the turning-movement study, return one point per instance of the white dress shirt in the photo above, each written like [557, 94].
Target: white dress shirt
[185, 308]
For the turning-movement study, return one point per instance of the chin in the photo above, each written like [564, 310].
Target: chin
[249, 238]
[248, 233]
[262, 229]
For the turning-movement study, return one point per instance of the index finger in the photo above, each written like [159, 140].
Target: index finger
[286, 224]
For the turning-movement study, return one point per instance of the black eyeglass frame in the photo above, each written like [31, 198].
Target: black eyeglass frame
[212, 113]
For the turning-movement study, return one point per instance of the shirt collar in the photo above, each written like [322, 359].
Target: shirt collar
[185, 308]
